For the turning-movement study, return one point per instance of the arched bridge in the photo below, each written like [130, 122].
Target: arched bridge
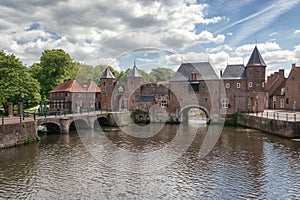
[63, 124]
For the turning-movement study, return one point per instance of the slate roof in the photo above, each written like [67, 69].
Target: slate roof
[234, 72]
[74, 86]
[203, 70]
[256, 59]
[134, 72]
[107, 74]
[146, 99]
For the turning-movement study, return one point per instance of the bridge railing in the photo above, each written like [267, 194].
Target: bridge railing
[277, 115]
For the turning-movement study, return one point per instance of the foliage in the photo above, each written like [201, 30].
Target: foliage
[161, 74]
[56, 67]
[15, 80]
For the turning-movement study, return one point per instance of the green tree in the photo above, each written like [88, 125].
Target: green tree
[85, 73]
[15, 80]
[56, 67]
[161, 74]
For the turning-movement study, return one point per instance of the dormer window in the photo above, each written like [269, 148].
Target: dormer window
[193, 76]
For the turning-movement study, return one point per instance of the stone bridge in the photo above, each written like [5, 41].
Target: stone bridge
[63, 124]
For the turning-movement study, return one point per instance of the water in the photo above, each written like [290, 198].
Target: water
[244, 164]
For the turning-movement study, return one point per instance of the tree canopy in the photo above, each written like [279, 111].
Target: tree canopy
[56, 66]
[15, 80]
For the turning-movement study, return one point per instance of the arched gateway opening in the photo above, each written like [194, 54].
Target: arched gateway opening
[50, 128]
[194, 114]
[78, 124]
[100, 122]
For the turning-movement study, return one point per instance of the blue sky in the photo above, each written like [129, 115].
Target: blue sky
[154, 33]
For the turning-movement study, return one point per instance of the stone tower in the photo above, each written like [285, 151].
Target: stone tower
[134, 79]
[256, 73]
[108, 82]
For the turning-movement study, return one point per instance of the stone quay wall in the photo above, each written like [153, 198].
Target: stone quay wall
[16, 134]
[282, 128]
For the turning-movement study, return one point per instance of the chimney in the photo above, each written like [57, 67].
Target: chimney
[221, 73]
[293, 65]
[281, 72]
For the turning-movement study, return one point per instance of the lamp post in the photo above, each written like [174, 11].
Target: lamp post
[256, 104]
[294, 106]
[22, 95]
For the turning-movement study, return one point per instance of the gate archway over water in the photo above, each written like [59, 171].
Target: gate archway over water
[202, 115]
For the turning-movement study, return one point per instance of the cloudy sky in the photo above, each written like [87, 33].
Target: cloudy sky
[154, 33]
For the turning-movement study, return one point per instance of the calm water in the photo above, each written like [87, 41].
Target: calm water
[243, 164]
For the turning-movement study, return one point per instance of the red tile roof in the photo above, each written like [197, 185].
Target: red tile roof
[74, 86]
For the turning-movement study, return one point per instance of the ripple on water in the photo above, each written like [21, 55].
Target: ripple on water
[243, 164]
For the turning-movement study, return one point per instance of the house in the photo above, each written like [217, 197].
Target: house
[292, 89]
[72, 96]
[245, 86]
[275, 87]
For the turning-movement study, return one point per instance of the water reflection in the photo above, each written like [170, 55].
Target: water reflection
[243, 164]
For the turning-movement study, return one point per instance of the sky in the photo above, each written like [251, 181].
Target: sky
[153, 33]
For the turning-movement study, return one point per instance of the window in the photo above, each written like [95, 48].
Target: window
[163, 103]
[257, 73]
[193, 76]
[194, 87]
[281, 103]
[263, 84]
[250, 84]
[287, 101]
[227, 85]
[225, 103]
[238, 85]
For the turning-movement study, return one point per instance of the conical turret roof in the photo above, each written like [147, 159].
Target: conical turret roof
[134, 72]
[107, 74]
[256, 59]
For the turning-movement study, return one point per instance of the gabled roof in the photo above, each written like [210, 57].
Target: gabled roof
[107, 74]
[74, 86]
[256, 59]
[134, 72]
[234, 72]
[203, 71]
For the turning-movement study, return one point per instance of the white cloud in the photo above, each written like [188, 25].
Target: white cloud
[273, 34]
[89, 30]
[296, 31]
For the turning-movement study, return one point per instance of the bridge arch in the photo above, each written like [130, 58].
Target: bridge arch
[52, 127]
[184, 112]
[78, 124]
[101, 121]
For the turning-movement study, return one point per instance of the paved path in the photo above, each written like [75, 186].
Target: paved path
[284, 115]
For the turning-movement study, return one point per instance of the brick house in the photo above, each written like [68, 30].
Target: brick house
[292, 89]
[74, 96]
[275, 87]
[245, 86]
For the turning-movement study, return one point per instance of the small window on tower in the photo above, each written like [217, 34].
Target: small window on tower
[250, 84]
[227, 85]
[238, 85]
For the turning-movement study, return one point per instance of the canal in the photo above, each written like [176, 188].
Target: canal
[243, 163]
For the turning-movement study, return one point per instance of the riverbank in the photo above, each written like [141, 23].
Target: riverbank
[283, 124]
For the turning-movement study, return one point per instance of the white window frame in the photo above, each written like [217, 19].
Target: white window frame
[163, 103]
[225, 103]
[250, 84]
[281, 103]
[227, 85]
[262, 84]
[238, 85]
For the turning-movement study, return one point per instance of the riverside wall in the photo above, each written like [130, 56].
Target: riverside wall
[288, 129]
[16, 134]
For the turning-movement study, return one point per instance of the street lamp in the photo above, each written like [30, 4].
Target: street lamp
[294, 106]
[22, 95]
